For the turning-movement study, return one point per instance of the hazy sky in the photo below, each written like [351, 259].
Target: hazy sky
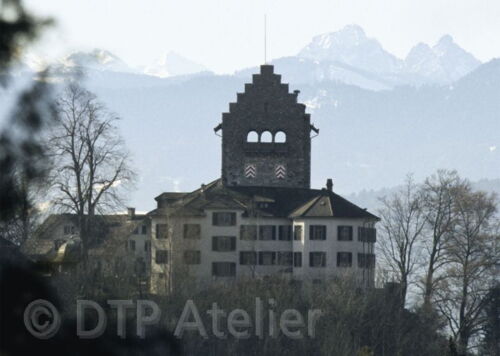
[226, 35]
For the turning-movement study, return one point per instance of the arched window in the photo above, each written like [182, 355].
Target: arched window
[253, 136]
[280, 137]
[266, 136]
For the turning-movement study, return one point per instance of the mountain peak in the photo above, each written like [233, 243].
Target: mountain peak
[444, 63]
[99, 59]
[353, 31]
[445, 40]
[172, 64]
[350, 46]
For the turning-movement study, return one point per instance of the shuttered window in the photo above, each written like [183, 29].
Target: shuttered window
[267, 258]
[344, 259]
[223, 269]
[223, 219]
[267, 232]
[223, 243]
[248, 258]
[285, 232]
[317, 232]
[367, 234]
[344, 233]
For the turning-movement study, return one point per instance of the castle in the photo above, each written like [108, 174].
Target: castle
[261, 218]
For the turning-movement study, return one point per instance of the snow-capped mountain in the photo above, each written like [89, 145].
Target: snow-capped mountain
[173, 64]
[98, 59]
[444, 63]
[349, 56]
[351, 46]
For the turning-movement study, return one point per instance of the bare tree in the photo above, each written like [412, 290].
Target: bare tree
[402, 223]
[438, 194]
[472, 259]
[91, 165]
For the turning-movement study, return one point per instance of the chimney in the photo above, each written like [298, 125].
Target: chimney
[329, 184]
[131, 212]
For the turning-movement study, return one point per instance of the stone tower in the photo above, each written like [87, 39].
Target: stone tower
[266, 136]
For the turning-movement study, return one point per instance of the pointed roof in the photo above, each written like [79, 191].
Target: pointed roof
[265, 201]
[329, 204]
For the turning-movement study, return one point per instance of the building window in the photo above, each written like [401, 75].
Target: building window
[297, 232]
[366, 260]
[69, 229]
[317, 259]
[223, 269]
[297, 259]
[267, 258]
[285, 232]
[344, 259]
[144, 230]
[280, 137]
[132, 245]
[248, 258]
[248, 232]
[223, 243]
[344, 233]
[136, 230]
[192, 231]
[161, 256]
[223, 219]
[267, 232]
[266, 137]
[161, 231]
[192, 257]
[367, 234]
[253, 136]
[285, 258]
[317, 232]
[147, 246]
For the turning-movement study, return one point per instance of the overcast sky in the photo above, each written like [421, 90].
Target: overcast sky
[226, 35]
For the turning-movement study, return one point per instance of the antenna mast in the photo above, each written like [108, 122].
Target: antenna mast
[265, 39]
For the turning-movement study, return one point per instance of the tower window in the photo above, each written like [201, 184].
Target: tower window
[266, 137]
[253, 136]
[280, 137]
